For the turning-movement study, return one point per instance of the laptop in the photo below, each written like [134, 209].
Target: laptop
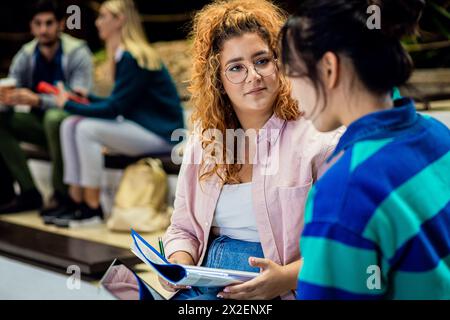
[124, 284]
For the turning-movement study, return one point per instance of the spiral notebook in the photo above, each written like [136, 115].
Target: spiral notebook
[184, 274]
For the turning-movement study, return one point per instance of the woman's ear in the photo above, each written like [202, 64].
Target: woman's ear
[330, 67]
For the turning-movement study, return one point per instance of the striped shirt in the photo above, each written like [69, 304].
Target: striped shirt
[377, 224]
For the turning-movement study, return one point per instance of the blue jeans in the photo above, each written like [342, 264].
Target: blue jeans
[223, 253]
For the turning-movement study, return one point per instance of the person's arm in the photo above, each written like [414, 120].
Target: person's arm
[127, 89]
[46, 101]
[82, 70]
[181, 235]
[19, 71]
[94, 98]
[80, 79]
[18, 68]
[180, 243]
[90, 96]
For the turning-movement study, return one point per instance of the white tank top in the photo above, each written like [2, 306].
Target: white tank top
[234, 213]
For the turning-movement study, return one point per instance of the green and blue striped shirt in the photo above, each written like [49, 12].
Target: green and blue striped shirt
[377, 224]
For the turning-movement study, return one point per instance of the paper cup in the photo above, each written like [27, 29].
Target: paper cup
[6, 84]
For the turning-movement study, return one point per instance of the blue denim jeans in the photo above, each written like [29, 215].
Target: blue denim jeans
[223, 253]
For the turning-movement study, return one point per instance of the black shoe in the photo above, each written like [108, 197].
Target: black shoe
[64, 210]
[55, 201]
[6, 198]
[7, 194]
[26, 201]
[82, 216]
[58, 202]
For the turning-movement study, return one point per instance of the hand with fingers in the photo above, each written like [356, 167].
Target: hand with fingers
[81, 92]
[62, 96]
[179, 257]
[273, 281]
[21, 96]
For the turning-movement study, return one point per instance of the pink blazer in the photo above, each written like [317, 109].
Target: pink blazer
[279, 191]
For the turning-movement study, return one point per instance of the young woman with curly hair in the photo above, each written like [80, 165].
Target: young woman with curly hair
[244, 212]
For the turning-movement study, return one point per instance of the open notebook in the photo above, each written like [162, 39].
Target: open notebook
[183, 274]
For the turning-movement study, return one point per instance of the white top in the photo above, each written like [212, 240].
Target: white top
[234, 213]
[118, 54]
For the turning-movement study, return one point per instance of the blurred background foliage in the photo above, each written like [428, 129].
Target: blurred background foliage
[430, 48]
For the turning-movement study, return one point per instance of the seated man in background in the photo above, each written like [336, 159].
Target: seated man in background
[51, 57]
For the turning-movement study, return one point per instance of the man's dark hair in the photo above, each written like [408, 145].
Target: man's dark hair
[52, 6]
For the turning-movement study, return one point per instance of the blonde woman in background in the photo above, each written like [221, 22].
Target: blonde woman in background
[138, 118]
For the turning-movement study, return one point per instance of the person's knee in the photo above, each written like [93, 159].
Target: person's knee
[86, 131]
[53, 119]
[68, 126]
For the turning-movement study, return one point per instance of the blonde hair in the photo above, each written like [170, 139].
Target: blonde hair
[133, 36]
[213, 25]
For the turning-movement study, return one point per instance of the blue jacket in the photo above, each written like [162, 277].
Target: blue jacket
[377, 224]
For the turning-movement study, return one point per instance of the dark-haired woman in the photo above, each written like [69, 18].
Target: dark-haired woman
[377, 224]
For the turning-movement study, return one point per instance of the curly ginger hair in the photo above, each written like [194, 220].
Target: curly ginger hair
[212, 26]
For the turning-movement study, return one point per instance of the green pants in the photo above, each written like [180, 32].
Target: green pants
[41, 129]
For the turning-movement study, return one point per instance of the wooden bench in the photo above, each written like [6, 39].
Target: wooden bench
[428, 85]
[57, 252]
[111, 161]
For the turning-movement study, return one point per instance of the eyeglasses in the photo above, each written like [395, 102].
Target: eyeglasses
[237, 73]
